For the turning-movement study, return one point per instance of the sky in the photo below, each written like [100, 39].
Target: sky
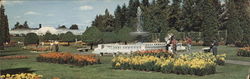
[57, 12]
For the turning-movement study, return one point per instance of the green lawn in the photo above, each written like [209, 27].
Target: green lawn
[104, 70]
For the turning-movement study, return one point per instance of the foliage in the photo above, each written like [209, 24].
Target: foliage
[104, 23]
[92, 35]
[244, 52]
[48, 36]
[123, 34]
[68, 58]
[68, 37]
[74, 27]
[195, 63]
[109, 37]
[31, 38]
[21, 76]
[4, 26]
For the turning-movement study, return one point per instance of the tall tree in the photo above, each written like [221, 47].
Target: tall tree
[175, 11]
[5, 37]
[210, 21]
[234, 31]
[242, 6]
[118, 17]
[145, 3]
[104, 22]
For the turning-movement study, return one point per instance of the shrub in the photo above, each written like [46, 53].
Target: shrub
[244, 52]
[31, 38]
[68, 58]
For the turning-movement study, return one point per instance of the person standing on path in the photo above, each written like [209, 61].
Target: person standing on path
[174, 44]
[213, 47]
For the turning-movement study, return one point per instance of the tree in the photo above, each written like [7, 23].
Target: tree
[118, 18]
[62, 27]
[25, 24]
[68, 37]
[5, 37]
[210, 21]
[31, 38]
[48, 36]
[92, 35]
[234, 31]
[74, 27]
[175, 12]
[105, 22]
[109, 37]
[145, 3]
[123, 35]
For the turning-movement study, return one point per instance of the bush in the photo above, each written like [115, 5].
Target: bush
[31, 38]
[68, 58]
[244, 52]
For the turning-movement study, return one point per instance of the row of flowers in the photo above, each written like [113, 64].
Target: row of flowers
[68, 58]
[244, 52]
[14, 57]
[21, 76]
[157, 53]
[195, 64]
[35, 48]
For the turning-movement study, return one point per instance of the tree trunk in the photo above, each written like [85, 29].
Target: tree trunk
[1, 46]
[91, 46]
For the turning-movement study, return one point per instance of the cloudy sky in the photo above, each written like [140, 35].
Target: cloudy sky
[57, 12]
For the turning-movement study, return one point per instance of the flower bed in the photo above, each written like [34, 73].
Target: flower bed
[244, 52]
[21, 76]
[195, 64]
[35, 48]
[14, 57]
[157, 53]
[68, 58]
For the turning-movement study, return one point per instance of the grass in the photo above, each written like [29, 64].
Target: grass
[104, 70]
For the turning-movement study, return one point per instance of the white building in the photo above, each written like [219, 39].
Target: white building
[43, 30]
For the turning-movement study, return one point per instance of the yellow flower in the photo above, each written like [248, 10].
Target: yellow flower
[118, 64]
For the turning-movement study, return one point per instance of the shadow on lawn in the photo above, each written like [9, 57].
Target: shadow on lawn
[16, 71]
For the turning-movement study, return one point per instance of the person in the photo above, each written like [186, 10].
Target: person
[189, 42]
[213, 47]
[174, 44]
[57, 46]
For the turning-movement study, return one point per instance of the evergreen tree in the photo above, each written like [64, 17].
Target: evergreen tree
[242, 6]
[5, 37]
[234, 31]
[145, 3]
[118, 17]
[104, 22]
[210, 21]
[175, 10]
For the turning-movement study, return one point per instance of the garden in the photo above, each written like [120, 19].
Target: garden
[156, 64]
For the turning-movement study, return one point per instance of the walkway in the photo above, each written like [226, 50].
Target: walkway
[238, 62]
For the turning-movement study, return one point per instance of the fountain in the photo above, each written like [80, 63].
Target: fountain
[130, 48]
[139, 30]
